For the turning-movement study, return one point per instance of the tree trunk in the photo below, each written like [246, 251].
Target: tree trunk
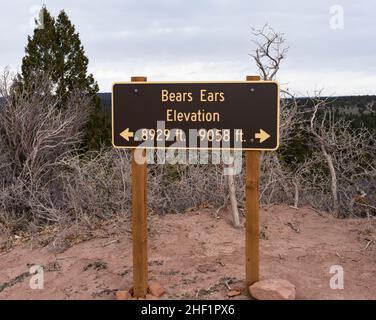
[333, 176]
[231, 186]
[296, 194]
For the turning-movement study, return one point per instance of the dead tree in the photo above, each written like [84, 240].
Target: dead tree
[268, 55]
[348, 154]
[320, 133]
[269, 52]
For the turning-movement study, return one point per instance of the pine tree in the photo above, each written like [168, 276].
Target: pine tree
[40, 52]
[56, 49]
[40, 56]
[72, 63]
[71, 69]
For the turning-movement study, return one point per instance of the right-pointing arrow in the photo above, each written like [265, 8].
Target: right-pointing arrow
[126, 134]
[262, 135]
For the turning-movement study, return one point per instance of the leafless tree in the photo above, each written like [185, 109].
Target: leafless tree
[269, 52]
[268, 55]
[348, 153]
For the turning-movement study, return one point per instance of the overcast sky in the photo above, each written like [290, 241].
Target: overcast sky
[170, 40]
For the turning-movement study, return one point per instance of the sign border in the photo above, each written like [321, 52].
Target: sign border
[194, 82]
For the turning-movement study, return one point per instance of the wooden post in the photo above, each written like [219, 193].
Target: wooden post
[139, 221]
[252, 172]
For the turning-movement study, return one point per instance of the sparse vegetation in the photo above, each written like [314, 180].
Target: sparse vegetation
[325, 160]
[96, 265]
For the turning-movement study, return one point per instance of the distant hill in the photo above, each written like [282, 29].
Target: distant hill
[104, 96]
[106, 101]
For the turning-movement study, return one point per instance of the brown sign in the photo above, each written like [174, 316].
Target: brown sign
[216, 115]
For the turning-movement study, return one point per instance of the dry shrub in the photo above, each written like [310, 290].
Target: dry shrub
[36, 134]
[176, 188]
[97, 185]
[100, 185]
[46, 179]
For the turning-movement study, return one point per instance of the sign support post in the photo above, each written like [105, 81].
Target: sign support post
[139, 220]
[252, 172]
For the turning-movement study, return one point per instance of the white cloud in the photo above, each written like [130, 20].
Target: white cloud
[210, 40]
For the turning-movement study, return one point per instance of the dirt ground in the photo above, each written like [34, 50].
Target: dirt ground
[197, 255]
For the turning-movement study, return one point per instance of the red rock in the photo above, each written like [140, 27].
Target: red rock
[233, 293]
[150, 297]
[273, 289]
[156, 289]
[123, 295]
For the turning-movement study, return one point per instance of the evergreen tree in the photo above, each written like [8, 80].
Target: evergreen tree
[40, 50]
[56, 49]
[71, 69]
[72, 63]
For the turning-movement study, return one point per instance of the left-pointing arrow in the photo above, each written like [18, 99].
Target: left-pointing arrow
[126, 134]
